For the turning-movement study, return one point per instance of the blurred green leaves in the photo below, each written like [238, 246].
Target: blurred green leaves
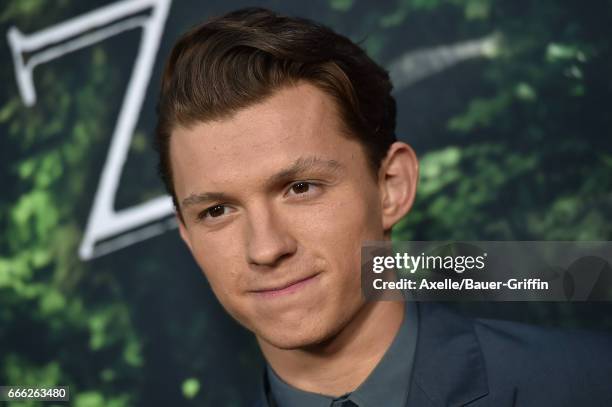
[480, 113]
[191, 387]
[59, 327]
[528, 157]
[341, 5]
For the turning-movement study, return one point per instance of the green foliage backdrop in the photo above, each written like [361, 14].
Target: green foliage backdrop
[514, 146]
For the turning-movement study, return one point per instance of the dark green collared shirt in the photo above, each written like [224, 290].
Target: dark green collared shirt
[388, 384]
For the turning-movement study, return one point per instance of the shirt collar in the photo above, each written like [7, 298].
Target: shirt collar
[389, 381]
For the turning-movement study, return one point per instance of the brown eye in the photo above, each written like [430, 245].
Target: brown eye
[300, 187]
[215, 211]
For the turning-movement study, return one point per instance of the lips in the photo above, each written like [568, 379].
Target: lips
[284, 288]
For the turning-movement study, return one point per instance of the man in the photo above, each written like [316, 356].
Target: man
[277, 145]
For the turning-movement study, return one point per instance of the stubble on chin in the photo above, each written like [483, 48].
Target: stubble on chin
[318, 335]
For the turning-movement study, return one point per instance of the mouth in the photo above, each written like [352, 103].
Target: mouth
[285, 289]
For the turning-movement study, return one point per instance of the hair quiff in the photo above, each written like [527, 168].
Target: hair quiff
[236, 60]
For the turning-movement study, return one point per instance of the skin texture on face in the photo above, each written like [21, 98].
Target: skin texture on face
[275, 194]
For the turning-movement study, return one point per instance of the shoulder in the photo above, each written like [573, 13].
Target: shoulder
[540, 359]
[505, 339]
[526, 364]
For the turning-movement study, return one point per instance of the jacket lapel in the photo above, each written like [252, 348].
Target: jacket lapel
[449, 367]
[264, 390]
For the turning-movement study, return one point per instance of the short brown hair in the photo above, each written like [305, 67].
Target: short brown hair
[236, 60]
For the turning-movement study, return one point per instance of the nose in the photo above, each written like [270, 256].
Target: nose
[269, 240]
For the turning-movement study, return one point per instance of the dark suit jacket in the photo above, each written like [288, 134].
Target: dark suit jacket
[477, 362]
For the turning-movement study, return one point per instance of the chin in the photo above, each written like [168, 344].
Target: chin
[287, 339]
[305, 336]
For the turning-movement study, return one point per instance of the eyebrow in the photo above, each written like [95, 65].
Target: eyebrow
[298, 167]
[303, 165]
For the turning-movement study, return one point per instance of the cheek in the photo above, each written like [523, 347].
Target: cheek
[349, 218]
[219, 265]
[340, 227]
[225, 282]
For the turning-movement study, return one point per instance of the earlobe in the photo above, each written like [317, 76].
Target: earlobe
[398, 180]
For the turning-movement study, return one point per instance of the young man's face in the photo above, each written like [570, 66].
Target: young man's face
[275, 195]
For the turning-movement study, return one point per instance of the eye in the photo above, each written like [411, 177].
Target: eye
[303, 188]
[213, 212]
[300, 187]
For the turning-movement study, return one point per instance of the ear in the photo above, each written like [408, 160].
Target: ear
[398, 177]
[183, 231]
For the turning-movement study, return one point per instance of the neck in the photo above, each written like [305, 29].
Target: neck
[340, 364]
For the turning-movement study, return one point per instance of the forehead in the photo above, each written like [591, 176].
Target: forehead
[295, 121]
